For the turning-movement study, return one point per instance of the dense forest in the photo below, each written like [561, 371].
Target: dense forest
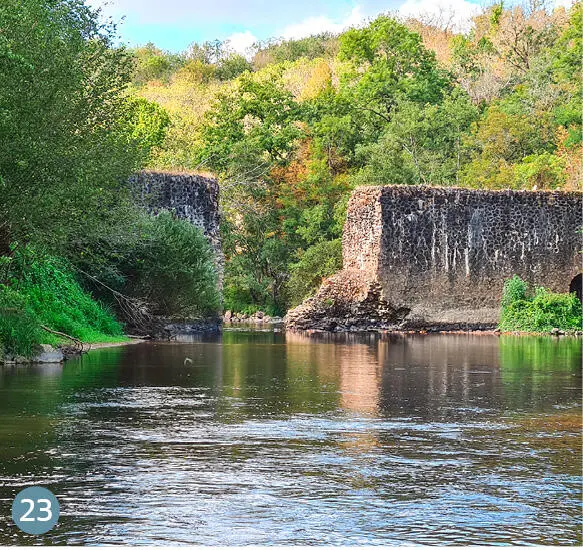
[289, 130]
[293, 127]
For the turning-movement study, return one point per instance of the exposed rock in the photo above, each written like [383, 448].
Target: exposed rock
[48, 354]
[167, 329]
[45, 354]
[347, 301]
[258, 318]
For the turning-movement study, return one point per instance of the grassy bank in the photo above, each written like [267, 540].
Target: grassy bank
[39, 297]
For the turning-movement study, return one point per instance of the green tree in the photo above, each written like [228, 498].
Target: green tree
[423, 144]
[389, 62]
[315, 263]
[173, 268]
[151, 63]
[67, 134]
[231, 67]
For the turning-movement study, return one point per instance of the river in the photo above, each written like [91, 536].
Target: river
[272, 438]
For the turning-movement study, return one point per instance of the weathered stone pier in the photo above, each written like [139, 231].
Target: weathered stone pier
[423, 257]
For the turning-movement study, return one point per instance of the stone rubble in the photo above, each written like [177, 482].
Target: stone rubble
[349, 301]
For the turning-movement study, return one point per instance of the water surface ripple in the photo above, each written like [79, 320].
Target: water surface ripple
[272, 438]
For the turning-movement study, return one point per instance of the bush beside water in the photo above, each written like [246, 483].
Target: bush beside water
[170, 267]
[538, 310]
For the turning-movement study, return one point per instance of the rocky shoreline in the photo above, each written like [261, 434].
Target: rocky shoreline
[257, 318]
[350, 301]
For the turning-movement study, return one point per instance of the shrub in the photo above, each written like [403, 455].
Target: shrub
[317, 262]
[20, 331]
[538, 311]
[173, 268]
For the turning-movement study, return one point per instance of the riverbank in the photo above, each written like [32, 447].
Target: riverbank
[60, 353]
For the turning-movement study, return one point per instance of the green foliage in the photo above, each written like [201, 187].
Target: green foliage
[421, 145]
[231, 67]
[544, 171]
[20, 332]
[256, 270]
[390, 63]
[38, 289]
[250, 127]
[52, 294]
[540, 311]
[317, 262]
[151, 63]
[146, 122]
[388, 102]
[311, 47]
[68, 130]
[172, 267]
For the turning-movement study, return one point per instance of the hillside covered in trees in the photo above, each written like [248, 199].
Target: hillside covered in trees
[294, 126]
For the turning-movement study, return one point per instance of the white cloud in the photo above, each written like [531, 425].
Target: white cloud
[241, 42]
[563, 3]
[321, 23]
[455, 14]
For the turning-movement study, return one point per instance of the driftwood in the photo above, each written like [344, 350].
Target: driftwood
[79, 346]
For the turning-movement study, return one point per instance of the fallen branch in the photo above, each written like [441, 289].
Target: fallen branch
[79, 345]
[134, 310]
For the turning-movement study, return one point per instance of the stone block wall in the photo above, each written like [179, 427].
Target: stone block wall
[191, 197]
[444, 253]
[421, 257]
[361, 237]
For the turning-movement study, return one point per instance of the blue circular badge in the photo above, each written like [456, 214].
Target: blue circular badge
[35, 510]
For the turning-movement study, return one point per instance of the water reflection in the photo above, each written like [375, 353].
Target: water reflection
[273, 438]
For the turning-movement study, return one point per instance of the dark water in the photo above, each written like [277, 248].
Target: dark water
[273, 439]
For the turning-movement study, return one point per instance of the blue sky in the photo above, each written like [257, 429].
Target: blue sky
[174, 24]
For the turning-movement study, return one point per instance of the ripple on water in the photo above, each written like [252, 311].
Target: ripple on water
[406, 442]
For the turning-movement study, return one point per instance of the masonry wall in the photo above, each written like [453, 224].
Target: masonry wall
[193, 198]
[361, 237]
[445, 252]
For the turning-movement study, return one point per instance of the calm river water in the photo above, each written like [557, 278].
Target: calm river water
[268, 438]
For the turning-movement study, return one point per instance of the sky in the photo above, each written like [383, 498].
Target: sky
[174, 24]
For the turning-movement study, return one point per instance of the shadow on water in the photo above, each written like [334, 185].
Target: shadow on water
[275, 438]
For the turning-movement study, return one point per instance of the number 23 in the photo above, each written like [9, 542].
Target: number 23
[46, 508]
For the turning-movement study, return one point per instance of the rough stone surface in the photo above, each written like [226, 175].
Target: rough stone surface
[257, 318]
[443, 253]
[348, 301]
[169, 329]
[191, 197]
[48, 354]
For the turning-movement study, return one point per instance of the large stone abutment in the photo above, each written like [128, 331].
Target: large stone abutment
[191, 197]
[424, 257]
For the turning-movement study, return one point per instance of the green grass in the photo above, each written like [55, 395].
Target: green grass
[540, 310]
[40, 290]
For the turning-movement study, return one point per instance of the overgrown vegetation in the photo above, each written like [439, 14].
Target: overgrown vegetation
[302, 122]
[71, 133]
[538, 310]
[38, 290]
[289, 129]
[173, 268]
